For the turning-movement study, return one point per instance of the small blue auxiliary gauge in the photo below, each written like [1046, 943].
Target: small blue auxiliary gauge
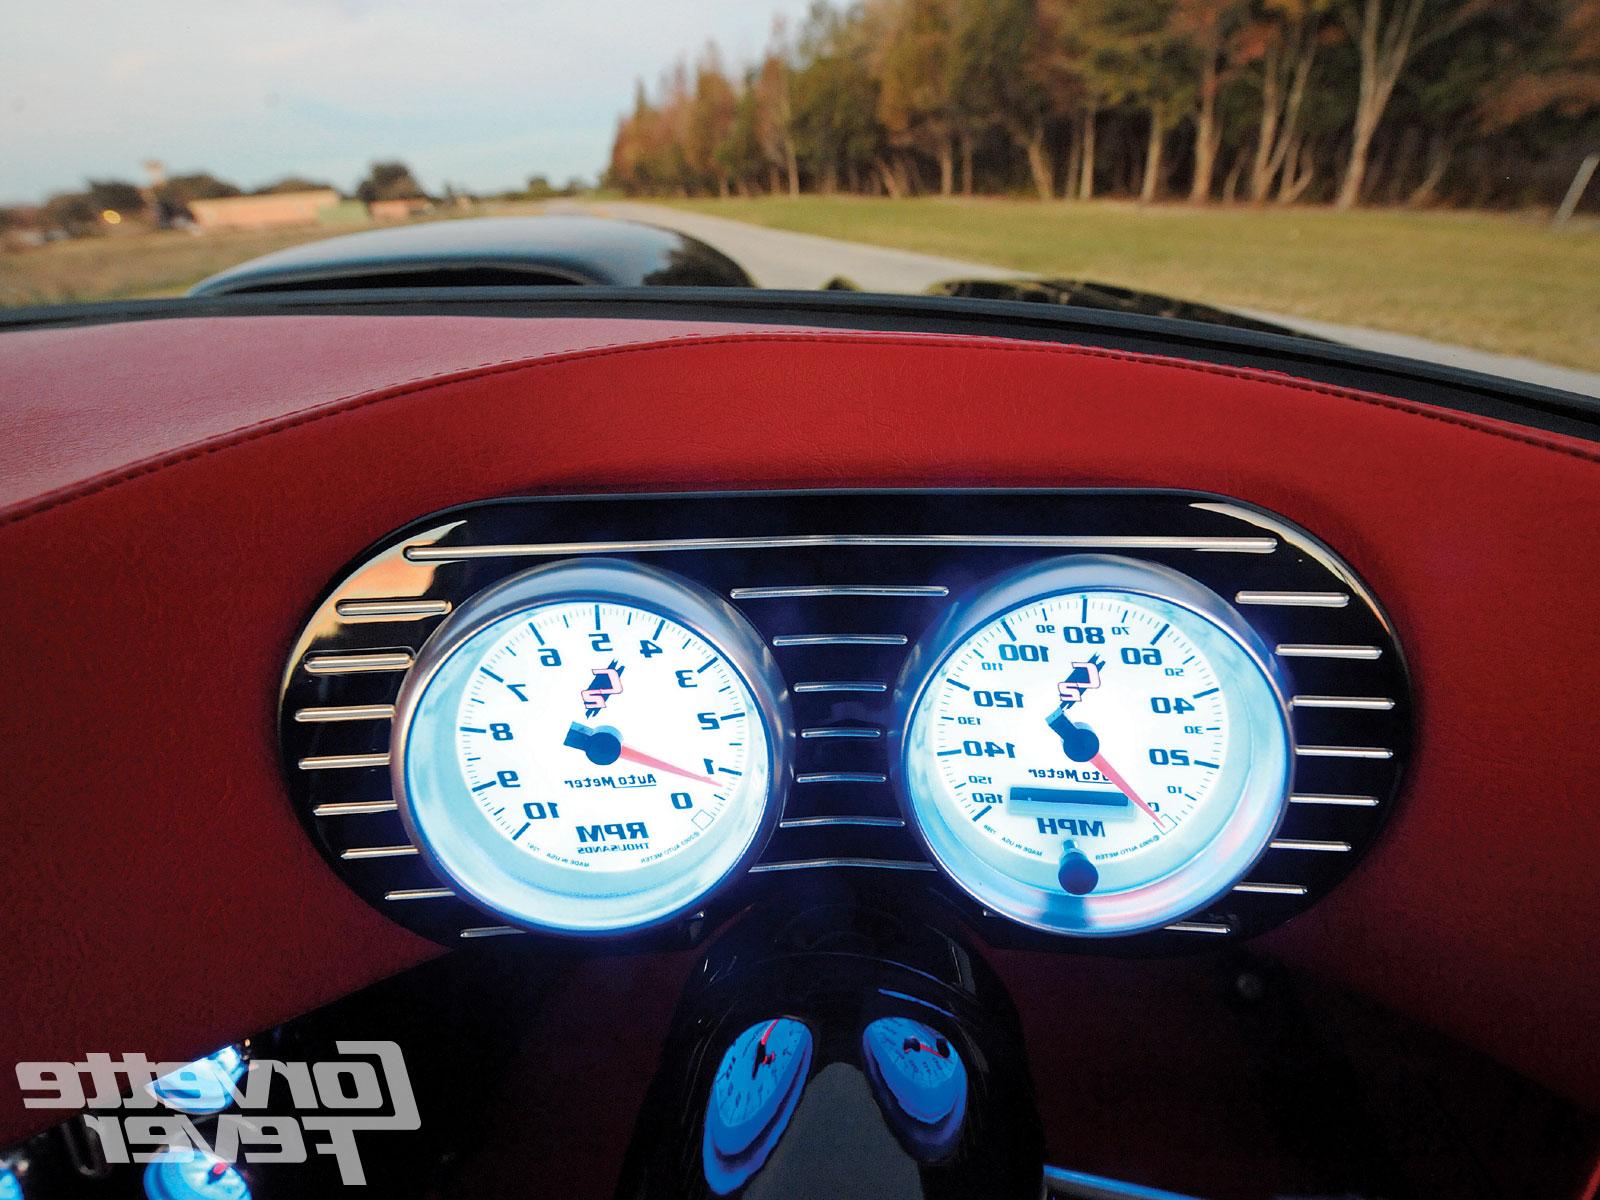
[920, 1082]
[752, 1098]
[184, 1173]
[203, 1086]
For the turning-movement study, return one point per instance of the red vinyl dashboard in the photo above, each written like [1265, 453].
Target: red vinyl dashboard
[174, 494]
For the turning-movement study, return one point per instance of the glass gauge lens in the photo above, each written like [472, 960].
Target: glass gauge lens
[1099, 748]
[184, 1173]
[203, 1086]
[590, 764]
[921, 1081]
[754, 1093]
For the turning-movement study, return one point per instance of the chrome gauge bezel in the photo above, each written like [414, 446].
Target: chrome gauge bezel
[491, 880]
[842, 586]
[1206, 875]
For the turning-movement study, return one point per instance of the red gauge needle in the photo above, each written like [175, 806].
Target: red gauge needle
[1099, 763]
[603, 746]
[1082, 745]
[762, 1057]
[646, 760]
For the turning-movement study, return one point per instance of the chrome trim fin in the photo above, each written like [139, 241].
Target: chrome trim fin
[1343, 752]
[1232, 545]
[839, 639]
[807, 864]
[391, 610]
[1363, 653]
[354, 808]
[1307, 844]
[1334, 801]
[345, 712]
[1271, 889]
[796, 591]
[1374, 703]
[1294, 599]
[356, 664]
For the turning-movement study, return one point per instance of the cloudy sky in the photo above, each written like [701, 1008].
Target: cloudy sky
[478, 93]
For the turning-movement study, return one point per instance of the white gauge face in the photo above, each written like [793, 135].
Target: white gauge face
[587, 764]
[1102, 760]
[600, 737]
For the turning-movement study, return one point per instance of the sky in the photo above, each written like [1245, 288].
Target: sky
[476, 93]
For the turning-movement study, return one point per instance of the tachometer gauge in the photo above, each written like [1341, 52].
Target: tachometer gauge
[1095, 746]
[590, 747]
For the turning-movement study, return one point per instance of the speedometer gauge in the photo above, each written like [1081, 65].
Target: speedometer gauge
[1095, 746]
[590, 748]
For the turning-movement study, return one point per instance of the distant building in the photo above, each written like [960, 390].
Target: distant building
[269, 211]
[399, 210]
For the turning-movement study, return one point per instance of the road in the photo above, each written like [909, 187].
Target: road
[776, 258]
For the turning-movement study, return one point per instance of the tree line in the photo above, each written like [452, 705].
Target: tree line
[1465, 102]
[80, 212]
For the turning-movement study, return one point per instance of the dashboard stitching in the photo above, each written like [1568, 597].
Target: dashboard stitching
[356, 401]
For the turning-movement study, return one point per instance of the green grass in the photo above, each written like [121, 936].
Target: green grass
[1505, 283]
[125, 265]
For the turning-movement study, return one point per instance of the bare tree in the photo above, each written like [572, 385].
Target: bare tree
[1286, 43]
[1387, 35]
[1211, 29]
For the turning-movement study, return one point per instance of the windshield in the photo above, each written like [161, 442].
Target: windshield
[1411, 176]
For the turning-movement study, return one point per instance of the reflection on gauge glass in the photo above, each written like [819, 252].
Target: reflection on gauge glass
[753, 1095]
[1096, 746]
[184, 1173]
[920, 1080]
[203, 1086]
[589, 747]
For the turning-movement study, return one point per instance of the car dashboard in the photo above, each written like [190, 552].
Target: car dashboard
[1057, 751]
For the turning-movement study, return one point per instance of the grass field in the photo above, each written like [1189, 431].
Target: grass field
[1505, 283]
[128, 265]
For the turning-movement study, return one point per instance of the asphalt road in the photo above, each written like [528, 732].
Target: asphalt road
[776, 258]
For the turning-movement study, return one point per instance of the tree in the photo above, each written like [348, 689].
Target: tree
[1017, 71]
[740, 154]
[115, 195]
[72, 213]
[294, 183]
[1212, 28]
[708, 122]
[1140, 59]
[1562, 75]
[1387, 34]
[391, 180]
[179, 190]
[915, 72]
[837, 139]
[774, 115]
[1283, 39]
